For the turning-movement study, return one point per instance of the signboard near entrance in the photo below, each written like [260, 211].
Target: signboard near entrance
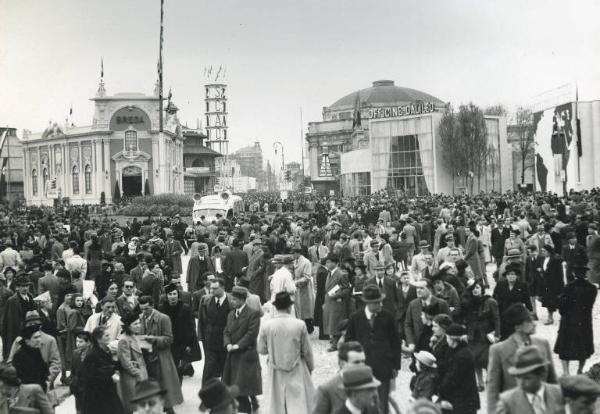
[416, 108]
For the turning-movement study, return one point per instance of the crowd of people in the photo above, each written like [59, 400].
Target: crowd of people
[448, 288]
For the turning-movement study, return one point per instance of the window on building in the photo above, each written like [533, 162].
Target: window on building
[34, 182]
[75, 176]
[45, 177]
[131, 141]
[88, 179]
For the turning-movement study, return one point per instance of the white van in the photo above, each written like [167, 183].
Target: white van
[223, 203]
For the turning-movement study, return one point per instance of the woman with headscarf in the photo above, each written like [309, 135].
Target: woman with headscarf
[480, 313]
[100, 377]
[133, 367]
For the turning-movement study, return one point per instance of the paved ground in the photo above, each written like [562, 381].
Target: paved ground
[326, 366]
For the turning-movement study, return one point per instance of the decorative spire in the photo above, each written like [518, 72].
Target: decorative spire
[101, 90]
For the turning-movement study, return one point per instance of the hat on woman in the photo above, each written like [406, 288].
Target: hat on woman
[456, 330]
[426, 358]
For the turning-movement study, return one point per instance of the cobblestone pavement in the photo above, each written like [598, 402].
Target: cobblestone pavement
[326, 366]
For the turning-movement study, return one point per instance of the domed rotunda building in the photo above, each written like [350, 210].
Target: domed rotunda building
[385, 137]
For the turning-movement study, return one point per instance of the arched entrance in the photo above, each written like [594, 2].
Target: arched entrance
[132, 181]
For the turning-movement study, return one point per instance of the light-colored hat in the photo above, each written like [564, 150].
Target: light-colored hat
[426, 358]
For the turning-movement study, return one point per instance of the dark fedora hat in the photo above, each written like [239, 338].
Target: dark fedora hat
[356, 377]
[371, 294]
[146, 389]
[215, 394]
[529, 358]
[239, 292]
[456, 330]
[283, 300]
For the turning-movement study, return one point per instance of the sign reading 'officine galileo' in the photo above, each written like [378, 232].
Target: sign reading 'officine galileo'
[130, 116]
[417, 108]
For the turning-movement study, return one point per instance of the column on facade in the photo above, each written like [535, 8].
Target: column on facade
[26, 175]
[106, 171]
[314, 159]
[155, 165]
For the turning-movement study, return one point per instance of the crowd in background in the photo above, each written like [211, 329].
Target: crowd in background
[450, 287]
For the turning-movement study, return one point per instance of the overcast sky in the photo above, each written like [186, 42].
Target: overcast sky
[285, 55]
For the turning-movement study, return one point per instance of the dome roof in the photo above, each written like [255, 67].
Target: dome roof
[384, 92]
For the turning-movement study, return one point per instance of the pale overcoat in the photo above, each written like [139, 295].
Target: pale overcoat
[285, 340]
[305, 291]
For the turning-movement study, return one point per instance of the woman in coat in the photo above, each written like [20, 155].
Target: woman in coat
[472, 253]
[480, 313]
[99, 377]
[575, 340]
[552, 281]
[510, 290]
[515, 242]
[185, 347]
[31, 367]
[458, 386]
[133, 366]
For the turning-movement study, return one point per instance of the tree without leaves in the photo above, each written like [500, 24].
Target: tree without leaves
[524, 130]
[452, 152]
[496, 110]
[472, 136]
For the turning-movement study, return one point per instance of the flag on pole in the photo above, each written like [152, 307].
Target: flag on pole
[356, 121]
[71, 110]
[101, 67]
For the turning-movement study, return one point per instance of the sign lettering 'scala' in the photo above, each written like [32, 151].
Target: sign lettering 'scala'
[417, 108]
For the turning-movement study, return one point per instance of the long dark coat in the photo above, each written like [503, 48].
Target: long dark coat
[506, 297]
[575, 340]
[321, 277]
[195, 269]
[381, 342]
[458, 386]
[12, 320]
[242, 367]
[552, 283]
[99, 391]
[184, 332]
[336, 307]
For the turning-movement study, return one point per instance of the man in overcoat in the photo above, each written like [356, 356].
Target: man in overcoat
[173, 250]
[337, 297]
[375, 329]
[242, 366]
[156, 329]
[387, 286]
[14, 314]
[213, 313]
[305, 292]
[198, 265]
[502, 355]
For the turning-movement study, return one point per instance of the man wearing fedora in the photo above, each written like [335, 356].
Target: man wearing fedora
[16, 397]
[375, 329]
[149, 397]
[337, 297]
[242, 366]
[14, 313]
[218, 398]
[290, 363]
[361, 390]
[532, 394]
[198, 265]
[502, 354]
[580, 394]
[387, 286]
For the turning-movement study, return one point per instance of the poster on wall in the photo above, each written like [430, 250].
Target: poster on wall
[555, 148]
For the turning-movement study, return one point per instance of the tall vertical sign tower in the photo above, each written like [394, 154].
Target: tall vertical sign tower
[216, 116]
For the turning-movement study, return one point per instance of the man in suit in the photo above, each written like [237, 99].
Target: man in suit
[573, 254]
[49, 282]
[371, 258]
[330, 395]
[127, 302]
[387, 286]
[502, 354]
[213, 316]
[532, 394]
[405, 293]
[361, 390]
[235, 264]
[15, 312]
[375, 329]
[138, 271]
[197, 266]
[533, 275]
[337, 296]
[242, 366]
[255, 274]
[413, 323]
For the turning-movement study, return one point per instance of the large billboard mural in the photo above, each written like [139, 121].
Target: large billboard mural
[556, 148]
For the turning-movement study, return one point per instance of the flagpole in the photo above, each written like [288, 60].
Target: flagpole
[160, 70]
[578, 146]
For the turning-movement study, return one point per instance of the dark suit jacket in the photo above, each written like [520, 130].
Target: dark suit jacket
[390, 303]
[501, 357]
[403, 302]
[330, 396]
[413, 325]
[381, 343]
[576, 256]
[514, 401]
[213, 323]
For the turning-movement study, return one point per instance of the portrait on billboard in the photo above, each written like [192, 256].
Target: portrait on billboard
[554, 140]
